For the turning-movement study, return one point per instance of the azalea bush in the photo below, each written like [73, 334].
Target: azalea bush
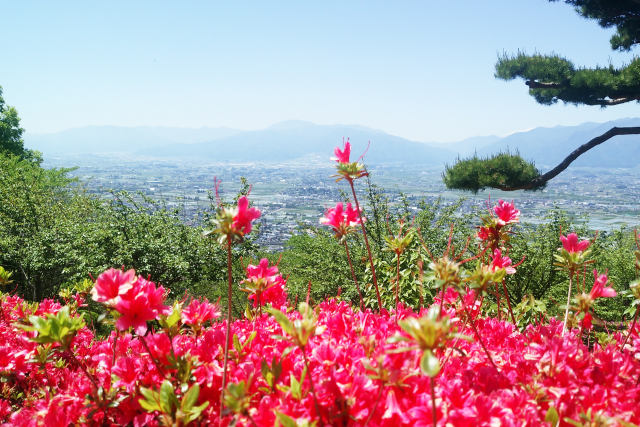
[328, 365]
[119, 351]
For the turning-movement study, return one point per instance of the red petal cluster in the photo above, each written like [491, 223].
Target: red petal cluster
[537, 369]
[570, 243]
[506, 213]
[245, 215]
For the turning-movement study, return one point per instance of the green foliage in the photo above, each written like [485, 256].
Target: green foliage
[53, 234]
[11, 142]
[559, 80]
[58, 328]
[301, 329]
[286, 421]
[503, 171]
[313, 255]
[173, 411]
[623, 15]
[552, 78]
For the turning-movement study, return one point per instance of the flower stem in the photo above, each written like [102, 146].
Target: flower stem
[366, 242]
[433, 402]
[633, 324]
[353, 274]
[228, 331]
[566, 311]
[397, 283]
[506, 295]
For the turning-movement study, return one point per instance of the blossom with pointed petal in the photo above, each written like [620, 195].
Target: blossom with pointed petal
[570, 243]
[265, 284]
[342, 156]
[499, 261]
[343, 221]
[199, 312]
[111, 284]
[506, 212]
[244, 216]
[600, 288]
[141, 303]
[347, 169]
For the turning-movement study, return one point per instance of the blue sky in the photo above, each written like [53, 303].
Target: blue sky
[418, 69]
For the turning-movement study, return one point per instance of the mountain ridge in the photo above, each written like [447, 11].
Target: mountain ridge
[294, 139]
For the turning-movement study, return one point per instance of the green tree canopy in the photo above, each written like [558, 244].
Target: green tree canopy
[552, 78]
[11, 133]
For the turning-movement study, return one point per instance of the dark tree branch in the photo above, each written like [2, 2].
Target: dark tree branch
[541, 85]
[542, 179]
[603, 102]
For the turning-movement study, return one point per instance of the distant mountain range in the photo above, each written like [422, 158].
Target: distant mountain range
[296, 139]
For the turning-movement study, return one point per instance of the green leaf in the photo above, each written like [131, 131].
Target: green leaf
[429, 364]
[552, 416]
[283, 320]
[285, 420]
[167, 397]
[190, 398]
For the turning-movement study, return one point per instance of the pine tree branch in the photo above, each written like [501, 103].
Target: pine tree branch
[542, 179]
[541, 85]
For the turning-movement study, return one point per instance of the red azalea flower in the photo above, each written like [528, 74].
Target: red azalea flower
[483, 233]
[198, 313]
[506, 212]
[340, 219]
[498, 261]
[242, 220]
[599, 288]
[143, 302]
[571, 245]
[111, 284]
[342, 156]
[586, 321]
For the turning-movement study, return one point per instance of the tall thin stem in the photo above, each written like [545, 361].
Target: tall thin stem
[353, 274]
[397, 283]
[228, 332]
[633, 324]
[366, 242]
[433, 402]
[506, 295]
[566, 311]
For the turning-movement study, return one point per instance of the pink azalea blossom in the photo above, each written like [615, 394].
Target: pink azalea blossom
[245, 215]
[483, 233]
[600, 288]
[499, 261]
[571, 244]
[267, 283]
[199, 312]
[506, 212]
[111, 284]
[342, 156]
[141, 303]
[262, 271]
[341, 219]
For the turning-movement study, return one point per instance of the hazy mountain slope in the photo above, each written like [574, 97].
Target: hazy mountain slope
[549, 146]
[104, 139]
[295, 139]
[291, 140]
